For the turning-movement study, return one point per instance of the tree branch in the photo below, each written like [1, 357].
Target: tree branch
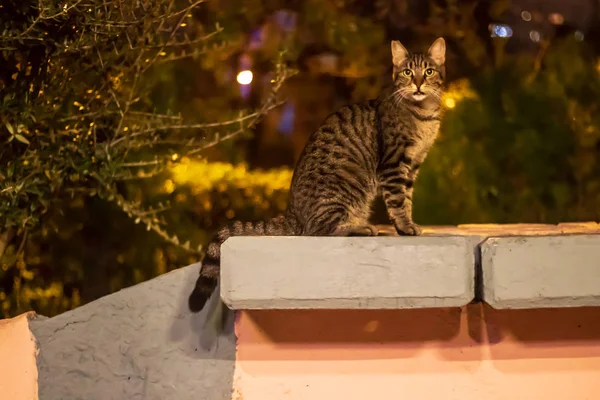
[5, 238]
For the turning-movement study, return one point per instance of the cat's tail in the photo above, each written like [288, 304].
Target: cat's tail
[211, 264]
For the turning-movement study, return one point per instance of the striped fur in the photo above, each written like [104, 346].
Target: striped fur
[209, 273]
[360, 150]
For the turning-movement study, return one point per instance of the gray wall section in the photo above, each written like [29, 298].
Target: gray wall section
[139, 343]
[541, 271]
[347, 272]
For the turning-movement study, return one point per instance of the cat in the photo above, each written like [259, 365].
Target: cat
[360, 150]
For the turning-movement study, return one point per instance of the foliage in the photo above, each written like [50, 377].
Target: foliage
[88, 249]
[153, 83]
[76, 112]
[144, 81]
[522, 146]
[81, 124]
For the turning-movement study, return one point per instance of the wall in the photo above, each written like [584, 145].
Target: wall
[140, 343]
[18, 373]
[471, 353]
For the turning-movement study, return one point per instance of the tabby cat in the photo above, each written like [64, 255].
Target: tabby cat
[360, 151]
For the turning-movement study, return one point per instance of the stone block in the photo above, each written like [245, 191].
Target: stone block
[541, 271]
[347, 272]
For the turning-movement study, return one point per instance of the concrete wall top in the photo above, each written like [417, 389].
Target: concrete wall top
[347, 273]
[496, 230]
[438, 269]
[541, 272]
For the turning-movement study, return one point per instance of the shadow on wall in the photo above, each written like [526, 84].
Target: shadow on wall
[537, 333]
[345, 334]
[473, 333]
[203, 330]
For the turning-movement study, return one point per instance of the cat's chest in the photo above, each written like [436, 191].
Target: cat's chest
[427, 130]
[423, 139]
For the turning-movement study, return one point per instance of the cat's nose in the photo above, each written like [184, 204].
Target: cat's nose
[419, 81]
[418, 86]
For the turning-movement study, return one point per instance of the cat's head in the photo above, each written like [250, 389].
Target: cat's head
[419, 77]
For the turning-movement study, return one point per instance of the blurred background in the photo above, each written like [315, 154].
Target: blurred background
[520, 141]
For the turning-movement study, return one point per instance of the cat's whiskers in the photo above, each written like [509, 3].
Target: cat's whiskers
[392, 97]
[398, 99]
[436, 94]
[394, 93]
[406, 92]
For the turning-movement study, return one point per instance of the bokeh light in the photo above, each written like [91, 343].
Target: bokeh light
[244, 77]
[501, 30]
[450, 102]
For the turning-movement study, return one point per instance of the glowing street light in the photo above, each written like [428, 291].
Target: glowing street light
[501, 30]
[556, 18]
[244, 77]
[450, 102]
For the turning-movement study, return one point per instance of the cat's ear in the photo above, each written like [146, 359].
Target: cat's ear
[437, 51]
[399, 53]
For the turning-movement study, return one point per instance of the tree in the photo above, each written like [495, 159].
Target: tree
[79, 115]
[520, 143]
[82, 247]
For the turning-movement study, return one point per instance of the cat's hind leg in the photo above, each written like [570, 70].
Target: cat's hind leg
[336, 222]
[356, 230]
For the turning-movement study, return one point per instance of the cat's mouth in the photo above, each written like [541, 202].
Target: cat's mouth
[419, 96]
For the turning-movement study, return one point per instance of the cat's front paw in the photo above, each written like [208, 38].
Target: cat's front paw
[410, 229]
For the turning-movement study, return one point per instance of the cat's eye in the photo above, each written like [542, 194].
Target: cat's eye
[429, 72]
[407, 72]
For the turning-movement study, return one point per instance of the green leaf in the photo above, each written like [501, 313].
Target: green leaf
[21, 138]
[10, 128]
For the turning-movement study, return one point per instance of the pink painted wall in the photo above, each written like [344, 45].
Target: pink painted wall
[18, 370]
[443, 354]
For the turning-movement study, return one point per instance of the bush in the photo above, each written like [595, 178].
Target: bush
[520, 145]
